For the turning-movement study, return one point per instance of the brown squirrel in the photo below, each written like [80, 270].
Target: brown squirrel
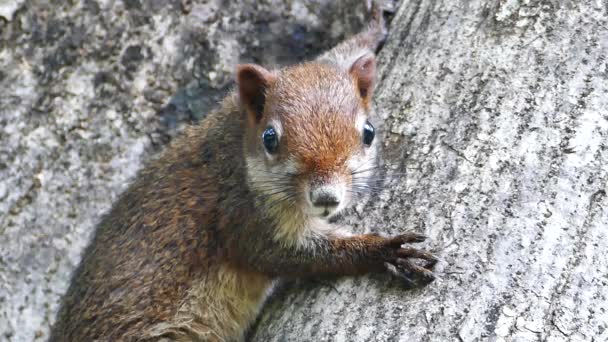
[192, 249]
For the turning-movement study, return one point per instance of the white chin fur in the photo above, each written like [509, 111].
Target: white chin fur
[324, 213]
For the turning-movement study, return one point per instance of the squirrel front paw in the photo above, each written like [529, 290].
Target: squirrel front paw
[400, 261]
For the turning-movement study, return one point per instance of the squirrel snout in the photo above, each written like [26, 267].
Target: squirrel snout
[326, 199]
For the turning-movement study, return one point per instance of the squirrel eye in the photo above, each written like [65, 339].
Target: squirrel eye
[270, 140]
[368, 133]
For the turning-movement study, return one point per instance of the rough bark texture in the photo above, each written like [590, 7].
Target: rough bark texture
[496, 116]
[496, 131]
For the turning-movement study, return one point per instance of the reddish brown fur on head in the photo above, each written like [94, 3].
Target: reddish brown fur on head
[317, 111]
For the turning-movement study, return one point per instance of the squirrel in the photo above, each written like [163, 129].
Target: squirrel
[191, 250]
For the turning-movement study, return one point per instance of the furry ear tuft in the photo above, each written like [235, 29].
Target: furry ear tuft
[253, 82]
[363, 70]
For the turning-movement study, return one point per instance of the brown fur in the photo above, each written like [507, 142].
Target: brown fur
[317, 131]
[190, 251]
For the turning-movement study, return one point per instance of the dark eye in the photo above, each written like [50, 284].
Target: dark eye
[368, 133]
[270, 140]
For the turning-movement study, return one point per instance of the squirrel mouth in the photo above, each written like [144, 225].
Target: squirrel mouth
[324, 211]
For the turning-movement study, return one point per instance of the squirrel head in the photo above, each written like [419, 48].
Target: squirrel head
[309, 140]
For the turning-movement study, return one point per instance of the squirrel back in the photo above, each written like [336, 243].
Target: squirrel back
[162, 235]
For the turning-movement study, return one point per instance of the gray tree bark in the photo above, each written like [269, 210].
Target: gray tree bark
[496, 147]
[495, 127]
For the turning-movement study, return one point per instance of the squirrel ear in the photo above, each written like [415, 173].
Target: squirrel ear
[363, 70]
[253, 82]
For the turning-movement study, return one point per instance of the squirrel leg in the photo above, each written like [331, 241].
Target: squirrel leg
[353, 255]
[387, 254]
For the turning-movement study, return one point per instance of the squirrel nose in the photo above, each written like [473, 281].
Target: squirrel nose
[324, 199]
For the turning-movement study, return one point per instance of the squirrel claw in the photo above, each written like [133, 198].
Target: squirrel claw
[417, 274]
[399, 240]
[412, 275]
[418, 254]
[399, 261]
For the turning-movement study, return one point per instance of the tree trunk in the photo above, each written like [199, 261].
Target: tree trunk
[496, 133]
[496, 137]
